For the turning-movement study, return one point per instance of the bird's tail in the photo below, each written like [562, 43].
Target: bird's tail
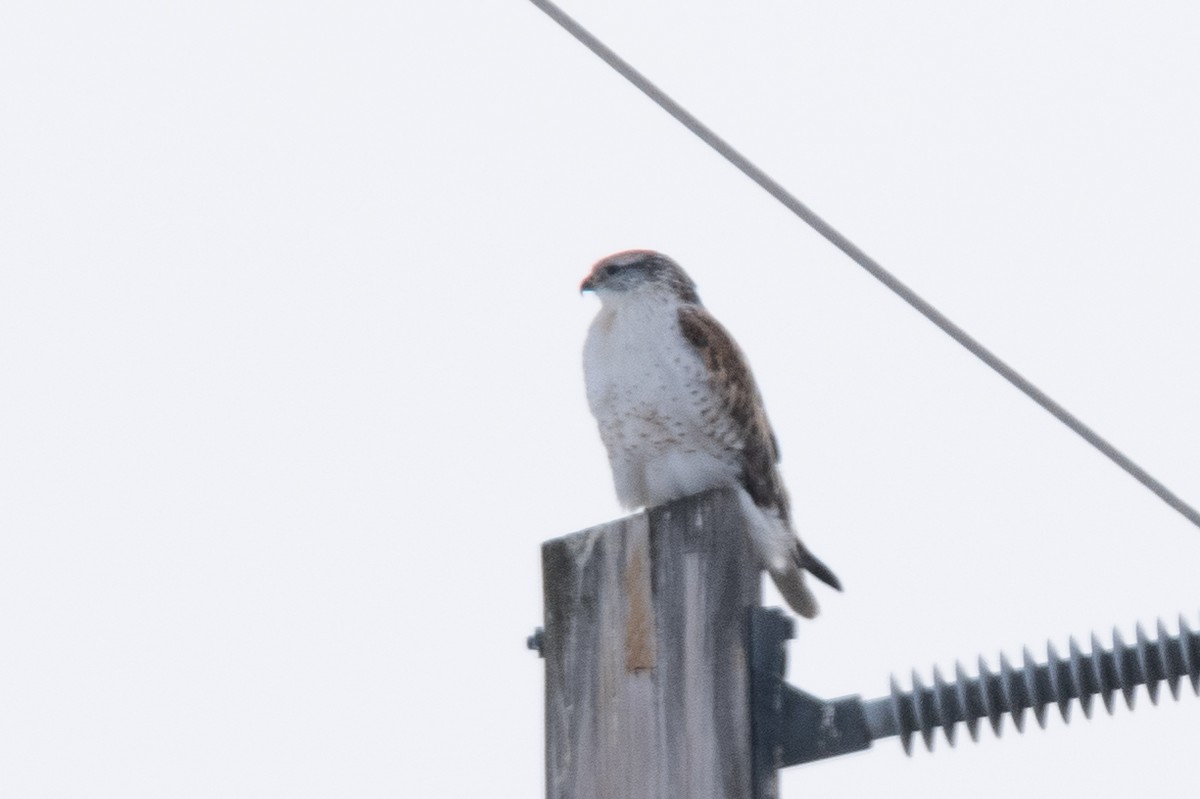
[789, 579]
[809, 562]
[786, 559]
[790, 582]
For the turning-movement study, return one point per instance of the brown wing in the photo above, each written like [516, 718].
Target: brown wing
[741, 406]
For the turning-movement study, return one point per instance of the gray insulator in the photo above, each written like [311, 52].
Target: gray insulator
[1034, 685]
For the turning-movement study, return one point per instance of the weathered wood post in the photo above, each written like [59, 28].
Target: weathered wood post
[646, 647]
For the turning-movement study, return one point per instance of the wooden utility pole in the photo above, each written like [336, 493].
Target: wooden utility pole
[647, 663]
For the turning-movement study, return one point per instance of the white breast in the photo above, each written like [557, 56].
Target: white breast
[650, 394]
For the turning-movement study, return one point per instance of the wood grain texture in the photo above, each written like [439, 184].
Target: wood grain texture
[647, 680]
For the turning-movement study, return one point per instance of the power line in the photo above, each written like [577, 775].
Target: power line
[868, 263]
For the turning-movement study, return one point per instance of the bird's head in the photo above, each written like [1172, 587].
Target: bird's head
[639, 273]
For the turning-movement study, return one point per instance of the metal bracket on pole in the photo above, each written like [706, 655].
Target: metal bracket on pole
[790, 726]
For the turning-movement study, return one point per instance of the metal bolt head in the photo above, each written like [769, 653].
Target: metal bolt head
[536, 640]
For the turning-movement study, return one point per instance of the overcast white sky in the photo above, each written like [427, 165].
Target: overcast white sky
[289, 343]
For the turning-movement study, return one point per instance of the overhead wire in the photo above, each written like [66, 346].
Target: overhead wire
[729, 153]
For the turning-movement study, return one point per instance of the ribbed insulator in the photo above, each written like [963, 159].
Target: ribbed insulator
[1036, 685]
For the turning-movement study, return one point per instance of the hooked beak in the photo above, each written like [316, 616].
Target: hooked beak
[588, 284]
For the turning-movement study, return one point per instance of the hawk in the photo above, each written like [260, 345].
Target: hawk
[679, 412]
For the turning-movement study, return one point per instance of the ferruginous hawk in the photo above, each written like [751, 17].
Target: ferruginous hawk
[679, 411]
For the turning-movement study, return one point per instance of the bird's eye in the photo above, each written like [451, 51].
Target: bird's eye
[612, 269]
